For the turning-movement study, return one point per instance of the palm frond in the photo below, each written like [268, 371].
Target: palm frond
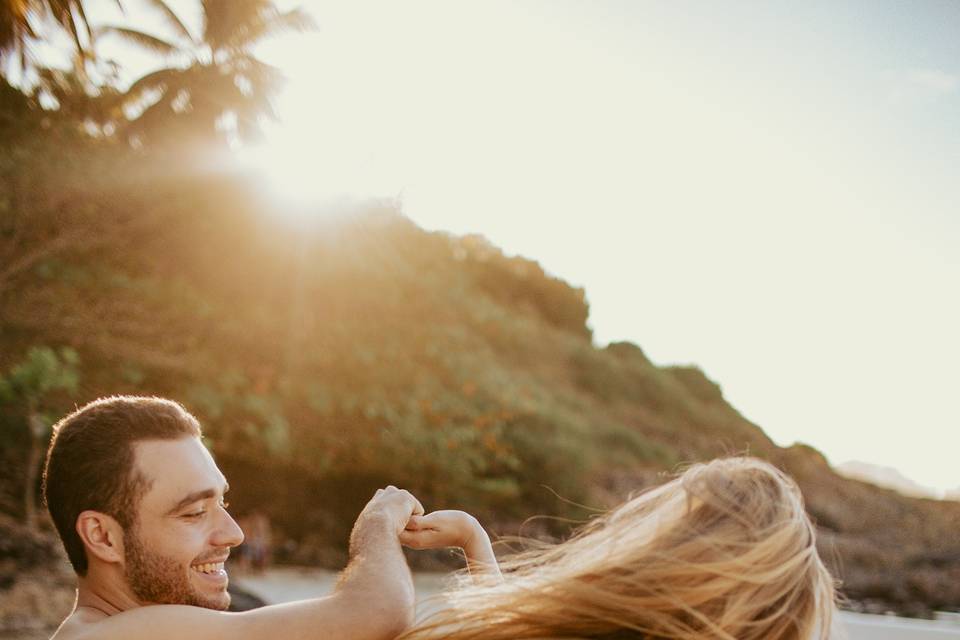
[62, 11]
[154, 116]
[141, 39]
[268, 23]
[15, 25]
[169, 77]
[264, 78]
[82, 18]
[222, 18]
[16, 28]
[172, 19]
[212, 86]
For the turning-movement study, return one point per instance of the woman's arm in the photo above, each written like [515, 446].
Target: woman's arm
[449, 528]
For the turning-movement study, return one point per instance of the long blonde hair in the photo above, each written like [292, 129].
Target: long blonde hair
[724, 551]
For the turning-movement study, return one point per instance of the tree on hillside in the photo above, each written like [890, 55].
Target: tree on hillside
[214, 88]
[83, 95]
[28, 385]
[21, 21]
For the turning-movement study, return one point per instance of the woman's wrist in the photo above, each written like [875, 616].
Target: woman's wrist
[477, 545]
[473, 532]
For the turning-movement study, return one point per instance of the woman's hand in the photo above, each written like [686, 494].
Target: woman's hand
[450, 528]
[440, 529]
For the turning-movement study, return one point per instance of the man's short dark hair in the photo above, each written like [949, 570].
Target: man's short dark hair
[90, 462]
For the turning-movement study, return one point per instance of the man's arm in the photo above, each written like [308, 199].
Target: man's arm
[373, 600]
[374, 597]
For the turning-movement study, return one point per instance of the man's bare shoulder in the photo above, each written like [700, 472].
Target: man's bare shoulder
[153, 621]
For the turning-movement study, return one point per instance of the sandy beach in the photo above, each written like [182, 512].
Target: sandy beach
[284, 584]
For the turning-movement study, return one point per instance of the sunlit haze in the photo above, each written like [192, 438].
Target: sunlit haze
[764, 189]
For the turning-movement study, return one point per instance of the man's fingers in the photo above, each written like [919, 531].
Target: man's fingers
[417, 507]
[393, 495]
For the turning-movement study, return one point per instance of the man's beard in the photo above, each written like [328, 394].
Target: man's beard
[158, 579]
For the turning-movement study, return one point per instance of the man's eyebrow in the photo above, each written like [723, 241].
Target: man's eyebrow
[196, 496]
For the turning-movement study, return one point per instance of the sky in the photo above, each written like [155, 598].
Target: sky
[764, 189]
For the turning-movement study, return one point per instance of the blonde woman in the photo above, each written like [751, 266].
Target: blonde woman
[724, 551]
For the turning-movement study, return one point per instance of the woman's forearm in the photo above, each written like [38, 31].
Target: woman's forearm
[481, 561]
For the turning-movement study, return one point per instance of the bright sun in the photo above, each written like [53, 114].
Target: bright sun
[297, 170]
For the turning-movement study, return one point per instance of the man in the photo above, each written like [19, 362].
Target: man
[139, 505]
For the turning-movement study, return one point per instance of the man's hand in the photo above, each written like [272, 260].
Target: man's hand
[396, 505]
[378, 572]
[387, 513]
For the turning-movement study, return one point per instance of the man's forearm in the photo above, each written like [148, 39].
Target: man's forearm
[373, 599]
[377, 577]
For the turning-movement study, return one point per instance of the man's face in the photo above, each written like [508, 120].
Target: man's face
[175, 551]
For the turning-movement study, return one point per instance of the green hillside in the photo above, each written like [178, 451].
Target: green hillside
[361, 351]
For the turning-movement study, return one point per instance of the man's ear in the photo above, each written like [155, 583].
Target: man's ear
[102, 535]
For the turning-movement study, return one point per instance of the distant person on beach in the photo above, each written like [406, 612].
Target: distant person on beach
[256, 550]
[139, 505]
[724, 551]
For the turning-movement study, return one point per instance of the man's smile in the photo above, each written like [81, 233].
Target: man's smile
[209, 568]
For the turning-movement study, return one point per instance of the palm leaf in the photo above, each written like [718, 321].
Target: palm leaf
[264, 78]
[269, 23]
[62, 13]
[172, 19]
[155, 116]
[16, 28]
[15, 25]
[169, 79]
[82, 19]
[212, 85]
[223, 18]
[141, 39]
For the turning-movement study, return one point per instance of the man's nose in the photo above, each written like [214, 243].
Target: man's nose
[229, 533]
